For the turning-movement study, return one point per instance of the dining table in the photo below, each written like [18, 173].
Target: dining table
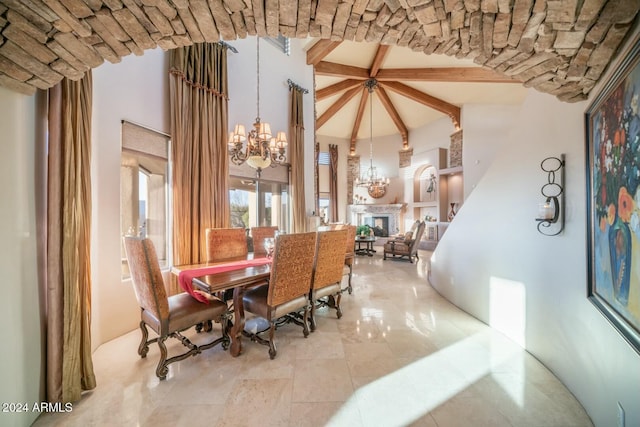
[212, 278]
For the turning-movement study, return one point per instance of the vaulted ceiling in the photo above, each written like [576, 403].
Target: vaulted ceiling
[560, 47]
[411, 89]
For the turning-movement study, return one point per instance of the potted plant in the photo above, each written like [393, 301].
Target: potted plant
[363, 230]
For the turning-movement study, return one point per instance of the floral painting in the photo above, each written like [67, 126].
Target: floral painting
[613, 163]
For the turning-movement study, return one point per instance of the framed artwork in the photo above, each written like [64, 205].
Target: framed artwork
[613, 199]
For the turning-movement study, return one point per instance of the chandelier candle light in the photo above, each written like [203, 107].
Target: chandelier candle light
[262, 149]
[376, 186]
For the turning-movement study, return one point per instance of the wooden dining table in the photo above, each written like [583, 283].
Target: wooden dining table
[238, 279]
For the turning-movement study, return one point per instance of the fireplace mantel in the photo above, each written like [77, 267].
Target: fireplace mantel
[390, 208]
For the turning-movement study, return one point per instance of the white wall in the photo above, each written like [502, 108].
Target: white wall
[21, 358]
[485, 132]
[506, 268]
[275, 69]
[136, 90]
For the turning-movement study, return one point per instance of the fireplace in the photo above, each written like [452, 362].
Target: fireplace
[380, 225]
[384, 217]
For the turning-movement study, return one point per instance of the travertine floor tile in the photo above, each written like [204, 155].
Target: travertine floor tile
[400, 355]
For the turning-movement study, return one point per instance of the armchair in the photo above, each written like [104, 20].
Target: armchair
[407, 247]
[168, 316]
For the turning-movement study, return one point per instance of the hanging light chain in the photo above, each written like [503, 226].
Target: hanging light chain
[258, 77]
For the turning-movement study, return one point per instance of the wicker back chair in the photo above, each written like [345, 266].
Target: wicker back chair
[289, 286]
[226, 243]
[258, 234]
[167, 316]
[328, 271]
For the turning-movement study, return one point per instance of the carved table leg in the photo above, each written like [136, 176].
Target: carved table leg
[238, 324]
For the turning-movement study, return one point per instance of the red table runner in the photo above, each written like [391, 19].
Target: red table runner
[186, 276]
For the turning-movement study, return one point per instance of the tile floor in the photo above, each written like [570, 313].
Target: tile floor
[400, 356]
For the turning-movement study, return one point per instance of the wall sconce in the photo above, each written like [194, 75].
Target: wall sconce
[551, 212]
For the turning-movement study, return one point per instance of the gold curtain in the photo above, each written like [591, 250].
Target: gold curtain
[68, 277]
[199, 103]
[296, 158]
[333, 182]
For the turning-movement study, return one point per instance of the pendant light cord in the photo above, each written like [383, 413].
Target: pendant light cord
[371, 132]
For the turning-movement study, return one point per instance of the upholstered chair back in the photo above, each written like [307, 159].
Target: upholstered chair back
[351, 238]
[292, 267]
[330, 254]
[258, 234]
[147, 276]
[225, 243]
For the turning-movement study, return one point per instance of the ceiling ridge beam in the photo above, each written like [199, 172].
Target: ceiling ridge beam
[320, 50]
[336, 88]
[358, 121]
[381, 54]
[336, 106]
[450, 110]
[397, 120]
[324, 68]
[444, 74]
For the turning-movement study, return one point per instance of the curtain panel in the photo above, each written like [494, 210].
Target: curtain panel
[296, 158]
[199, 115]
[68, 272]
[316, 178]
[333, 182]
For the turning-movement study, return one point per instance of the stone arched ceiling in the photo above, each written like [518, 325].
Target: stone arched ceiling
[557, 46]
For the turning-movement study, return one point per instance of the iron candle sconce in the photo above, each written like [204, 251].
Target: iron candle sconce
[552, 210]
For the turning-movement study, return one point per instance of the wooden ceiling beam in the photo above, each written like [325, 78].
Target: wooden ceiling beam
[393, 113]
[320, 50]
[358, 121]
[324, 68]
[430, 101]
[336, 106]
[444, 74]
[336, 88]
[381, 53]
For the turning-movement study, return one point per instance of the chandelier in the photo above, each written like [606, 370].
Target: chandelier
[376, 185]
[262, 149]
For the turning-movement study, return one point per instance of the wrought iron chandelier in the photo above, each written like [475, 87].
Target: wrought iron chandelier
[262, 149]
[376, 185]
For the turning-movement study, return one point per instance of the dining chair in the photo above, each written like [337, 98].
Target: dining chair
[350, 254]
[328, 271]
[168, 316]
[258, 234]
[226, 243]
[287, 292]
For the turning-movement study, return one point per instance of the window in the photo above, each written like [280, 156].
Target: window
[323, 185]
[260, 202]
[282, 43]
[144, 195]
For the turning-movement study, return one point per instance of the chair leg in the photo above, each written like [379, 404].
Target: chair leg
[272, 344]
[338, 297]
[312, 321]
[162, 369]
[305, 316]
[143, 348]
